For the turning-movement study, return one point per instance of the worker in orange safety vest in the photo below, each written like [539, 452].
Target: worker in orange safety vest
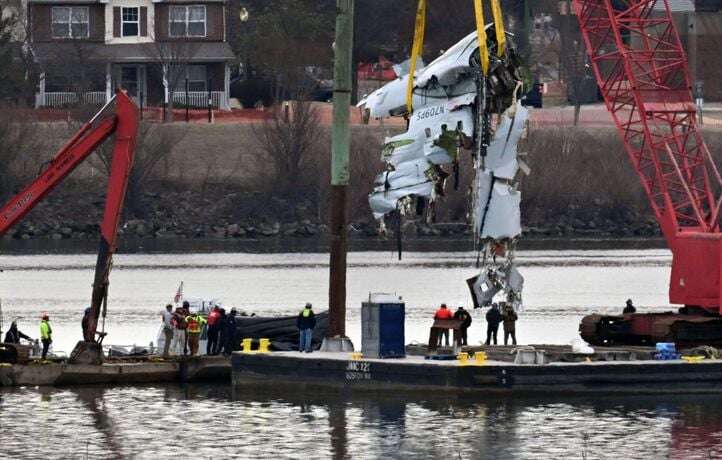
[444, 313]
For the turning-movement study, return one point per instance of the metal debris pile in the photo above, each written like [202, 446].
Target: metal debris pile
[458, 107]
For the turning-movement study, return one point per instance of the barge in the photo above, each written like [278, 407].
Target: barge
[415, 373]
[119, 372]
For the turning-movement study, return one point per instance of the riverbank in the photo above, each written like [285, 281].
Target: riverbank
[318, 244]
[236, 215]
[219, 181]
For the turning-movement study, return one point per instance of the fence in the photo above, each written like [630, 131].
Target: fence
[199, 99]
[64, 99]
[196, 99]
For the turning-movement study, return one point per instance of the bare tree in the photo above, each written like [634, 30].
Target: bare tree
[154, 145]
[288, 139]
[18, 135]
[578, 75]
[17, 66]
[171, 59]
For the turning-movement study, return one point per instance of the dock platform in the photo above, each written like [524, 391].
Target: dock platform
[201, 368]
[414, 373]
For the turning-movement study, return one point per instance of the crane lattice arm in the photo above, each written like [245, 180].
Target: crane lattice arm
[641, 69]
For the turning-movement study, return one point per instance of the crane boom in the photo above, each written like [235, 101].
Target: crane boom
[641, 69]
[124, 124]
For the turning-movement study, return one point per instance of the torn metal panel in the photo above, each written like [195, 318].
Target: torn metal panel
[406, 174]
[390, 99]
[408, 178]
[501, 155]
[434, 132]
[403, 68]
[497, 280]
[503, 219]
[484, 288]
[452, 66]
[514, 279]
[402, 148]
[383, 202]
[496, 212]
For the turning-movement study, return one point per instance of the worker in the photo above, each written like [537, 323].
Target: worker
[305, 323]
[195, 325]
[629, 308]
[214, 318]
[443, 313]
[465, 317]
[85, 324]
[46, 334]
[167, 318]
[222, 325]
[181, 332]
[230, 343]
[493, 318]
[509, 318]
[13, 335]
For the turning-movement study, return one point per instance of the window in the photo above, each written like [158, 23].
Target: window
[187, 21]
[129, 79]
[70, 22]
[129, 19]
[196, 76]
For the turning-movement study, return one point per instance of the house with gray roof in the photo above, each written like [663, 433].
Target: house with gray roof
[169, 52]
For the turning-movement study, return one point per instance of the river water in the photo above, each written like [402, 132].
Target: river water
[168, 421]
[163, 421]
[561, 287]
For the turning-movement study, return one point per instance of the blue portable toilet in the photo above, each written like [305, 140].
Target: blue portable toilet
[382, 326]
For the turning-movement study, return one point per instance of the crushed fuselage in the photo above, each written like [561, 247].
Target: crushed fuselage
[456, 108]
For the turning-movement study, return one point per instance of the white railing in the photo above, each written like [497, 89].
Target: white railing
[199, 99]
[94, 97]
[59, 99]
[65, 98]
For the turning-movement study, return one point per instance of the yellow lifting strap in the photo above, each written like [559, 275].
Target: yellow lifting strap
[420, 30]
[416, 51]
[499, 27]
[481, 34]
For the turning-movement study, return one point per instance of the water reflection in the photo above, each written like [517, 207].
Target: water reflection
[93, 399]
[157, 422]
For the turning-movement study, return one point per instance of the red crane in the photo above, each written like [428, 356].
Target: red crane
[641, 69]
[124, 124]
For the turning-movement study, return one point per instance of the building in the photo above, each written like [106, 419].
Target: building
[699, 23]
[157, 50]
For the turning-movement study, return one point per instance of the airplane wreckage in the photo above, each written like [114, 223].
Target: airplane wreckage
[467, 100]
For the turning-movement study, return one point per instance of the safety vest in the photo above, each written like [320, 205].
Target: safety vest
[306, 312]
[45, 330]
[194, 323]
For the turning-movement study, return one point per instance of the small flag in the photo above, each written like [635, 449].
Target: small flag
[178, 294]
